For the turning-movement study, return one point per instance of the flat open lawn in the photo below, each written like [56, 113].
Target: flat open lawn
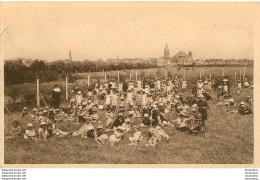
[228, 140]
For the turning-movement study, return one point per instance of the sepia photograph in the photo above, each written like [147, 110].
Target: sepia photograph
[96, 83]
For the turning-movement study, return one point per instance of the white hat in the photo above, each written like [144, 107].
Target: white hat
[201, 96]
[121, 128]
[146, 115]
[100, 127]
[30, 125]
[184, 112]
[34, 109]
[127, 120]
[242, 103]
[91, 127]
[43, 123]
[79, 92]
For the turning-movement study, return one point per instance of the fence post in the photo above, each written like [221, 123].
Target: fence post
[67, 94]
[223, 72]
[200, 74]
[244, 73]
[130, 76]
[38, 93]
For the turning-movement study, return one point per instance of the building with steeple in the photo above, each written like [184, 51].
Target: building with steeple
[166, 53]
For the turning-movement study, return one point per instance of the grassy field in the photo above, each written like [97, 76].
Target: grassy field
[228, 140]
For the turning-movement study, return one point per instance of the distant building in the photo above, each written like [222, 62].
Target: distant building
[213, 62]
[161, 61]
[199, 62]
[181, 58]
[166, 53]
[112, 61]
[99, 61]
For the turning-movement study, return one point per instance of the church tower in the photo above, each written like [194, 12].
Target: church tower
[166, 53]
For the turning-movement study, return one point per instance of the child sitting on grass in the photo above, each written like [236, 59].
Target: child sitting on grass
[243, 110]
[90, 133]
[101, 137]
[127, 124]
[25, 112]
[15, 131]
[154, 136]
[30, 132]
[137, 137]
[117, 135]
[34, 115]
[109, 118]
[42, 131]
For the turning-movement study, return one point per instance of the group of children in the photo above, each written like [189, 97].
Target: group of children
[137, 107]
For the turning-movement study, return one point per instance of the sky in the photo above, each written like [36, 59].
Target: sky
[101, 30]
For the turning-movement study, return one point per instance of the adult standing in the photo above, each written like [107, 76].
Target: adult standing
[202, 108]
[56, 97]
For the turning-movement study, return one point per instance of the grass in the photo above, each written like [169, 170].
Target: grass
[228, 140]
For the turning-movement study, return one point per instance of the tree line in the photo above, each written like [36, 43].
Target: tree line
[17, 72]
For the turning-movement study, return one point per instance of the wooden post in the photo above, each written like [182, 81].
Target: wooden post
[88, 80]
[105, 77]
[38, 93]
[130, 76]
[200, 74]
[67, 94]
[244, 74]
[210, 76]
[223, 74]
[235, 73]
[118, 77]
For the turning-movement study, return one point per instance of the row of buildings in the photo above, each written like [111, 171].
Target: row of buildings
[179, 59]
